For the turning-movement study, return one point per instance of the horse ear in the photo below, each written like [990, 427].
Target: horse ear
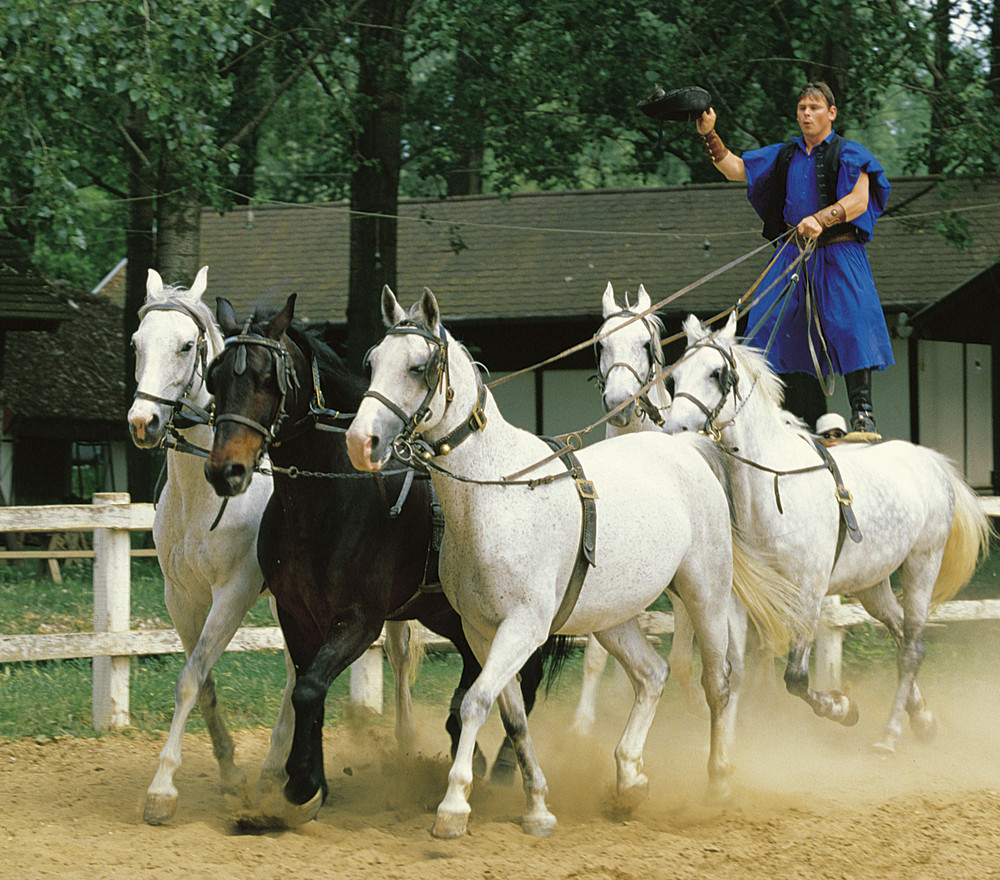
[392, 311]
[644, 301]
[728, 332]
[693, 329]
[283, 320]
[608, 304]
[154, 283]
[429, 309]
[200, 283]
[225, 314]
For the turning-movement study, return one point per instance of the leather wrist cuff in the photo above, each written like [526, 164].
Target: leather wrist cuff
[831, 215]
[714, 148]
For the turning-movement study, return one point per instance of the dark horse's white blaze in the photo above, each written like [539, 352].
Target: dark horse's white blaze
[509, 550]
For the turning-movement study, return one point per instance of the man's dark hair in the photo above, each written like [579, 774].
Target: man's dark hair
[817, 87]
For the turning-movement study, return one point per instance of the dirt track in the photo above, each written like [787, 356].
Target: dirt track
[812, 801]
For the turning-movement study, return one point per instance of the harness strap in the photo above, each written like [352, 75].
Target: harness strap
[585, 557]
[848, 521]
[475, 422]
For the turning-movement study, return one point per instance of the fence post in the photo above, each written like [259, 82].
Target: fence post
[112, 608]
[829, 647]
[366, 680]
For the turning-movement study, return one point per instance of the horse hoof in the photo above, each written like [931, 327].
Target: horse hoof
[449, 826]
[924, 726]
[539, 826]
[884, 747]
[234, 782]
[300, 814]
[160, 808]
[852, 715]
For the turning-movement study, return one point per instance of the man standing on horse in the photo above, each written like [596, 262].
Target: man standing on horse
[830, 191]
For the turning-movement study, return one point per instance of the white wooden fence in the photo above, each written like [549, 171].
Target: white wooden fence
[112, 518]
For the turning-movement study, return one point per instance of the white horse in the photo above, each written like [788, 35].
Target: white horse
[513, 513]
[915, 513]
[206, 570]
[629, 353]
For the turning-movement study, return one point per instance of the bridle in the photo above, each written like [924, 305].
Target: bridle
[285, 377]
[728, 379]
[198, 415]
[437, 378]
[646, 406]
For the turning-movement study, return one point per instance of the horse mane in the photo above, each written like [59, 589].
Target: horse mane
[765, 381]
[330, 364]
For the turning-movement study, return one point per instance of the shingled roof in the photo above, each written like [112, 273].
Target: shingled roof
[27, 300]
[73, 374]
[544, 256]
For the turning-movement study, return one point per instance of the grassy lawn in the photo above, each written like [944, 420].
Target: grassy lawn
[53, 698]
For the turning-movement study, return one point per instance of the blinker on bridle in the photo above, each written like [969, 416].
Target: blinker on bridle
[655, 357]
[284, 376]
[182, 401]
[437, 378]
[728, 380]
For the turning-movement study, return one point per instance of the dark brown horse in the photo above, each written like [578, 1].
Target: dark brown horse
[340, 551]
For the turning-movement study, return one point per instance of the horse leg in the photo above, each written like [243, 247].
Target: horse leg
[515, 640]
[835, 706]
[681, 658]
[272, 773]
[453, 724]
[699, 585]
[204, 640]
[595, 658]
[648, 672]
[530, 677]
[307, 788]
[397, 651]
[881, 603]
[917, 577]
[736, 657]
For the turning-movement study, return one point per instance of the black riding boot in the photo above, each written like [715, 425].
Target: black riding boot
[859, 394]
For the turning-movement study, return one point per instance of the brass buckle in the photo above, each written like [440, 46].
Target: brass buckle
[844, 496]
[586, 489]
[479, 417]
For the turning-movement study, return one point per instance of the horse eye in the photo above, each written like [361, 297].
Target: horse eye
[717, 374]
[186, 347]
[418, 369]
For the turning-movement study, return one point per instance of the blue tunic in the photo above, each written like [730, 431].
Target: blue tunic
[841, 277]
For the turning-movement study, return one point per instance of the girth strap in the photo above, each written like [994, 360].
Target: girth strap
[848, 523]
[585, 557]
[431, 583]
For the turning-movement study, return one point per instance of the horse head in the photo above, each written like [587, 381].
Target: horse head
[410, 387]
[250, 380]
[629, 358]
[173, 344]
[706, 378]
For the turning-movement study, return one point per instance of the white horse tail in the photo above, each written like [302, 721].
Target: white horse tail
[773, 603]
[417, 652]
[969, 540]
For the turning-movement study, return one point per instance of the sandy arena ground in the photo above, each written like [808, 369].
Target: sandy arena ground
[811, 801]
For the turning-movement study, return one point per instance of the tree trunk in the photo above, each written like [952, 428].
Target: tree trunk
[139, 248]
[178, 230]
[939, 73]
[382, 82]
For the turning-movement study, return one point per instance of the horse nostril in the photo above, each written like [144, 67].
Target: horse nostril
[374, 442]
[234, 473]
[153, 423]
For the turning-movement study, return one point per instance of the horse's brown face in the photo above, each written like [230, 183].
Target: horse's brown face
[244, 383]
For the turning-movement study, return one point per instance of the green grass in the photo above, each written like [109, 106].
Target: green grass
[53, 698]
